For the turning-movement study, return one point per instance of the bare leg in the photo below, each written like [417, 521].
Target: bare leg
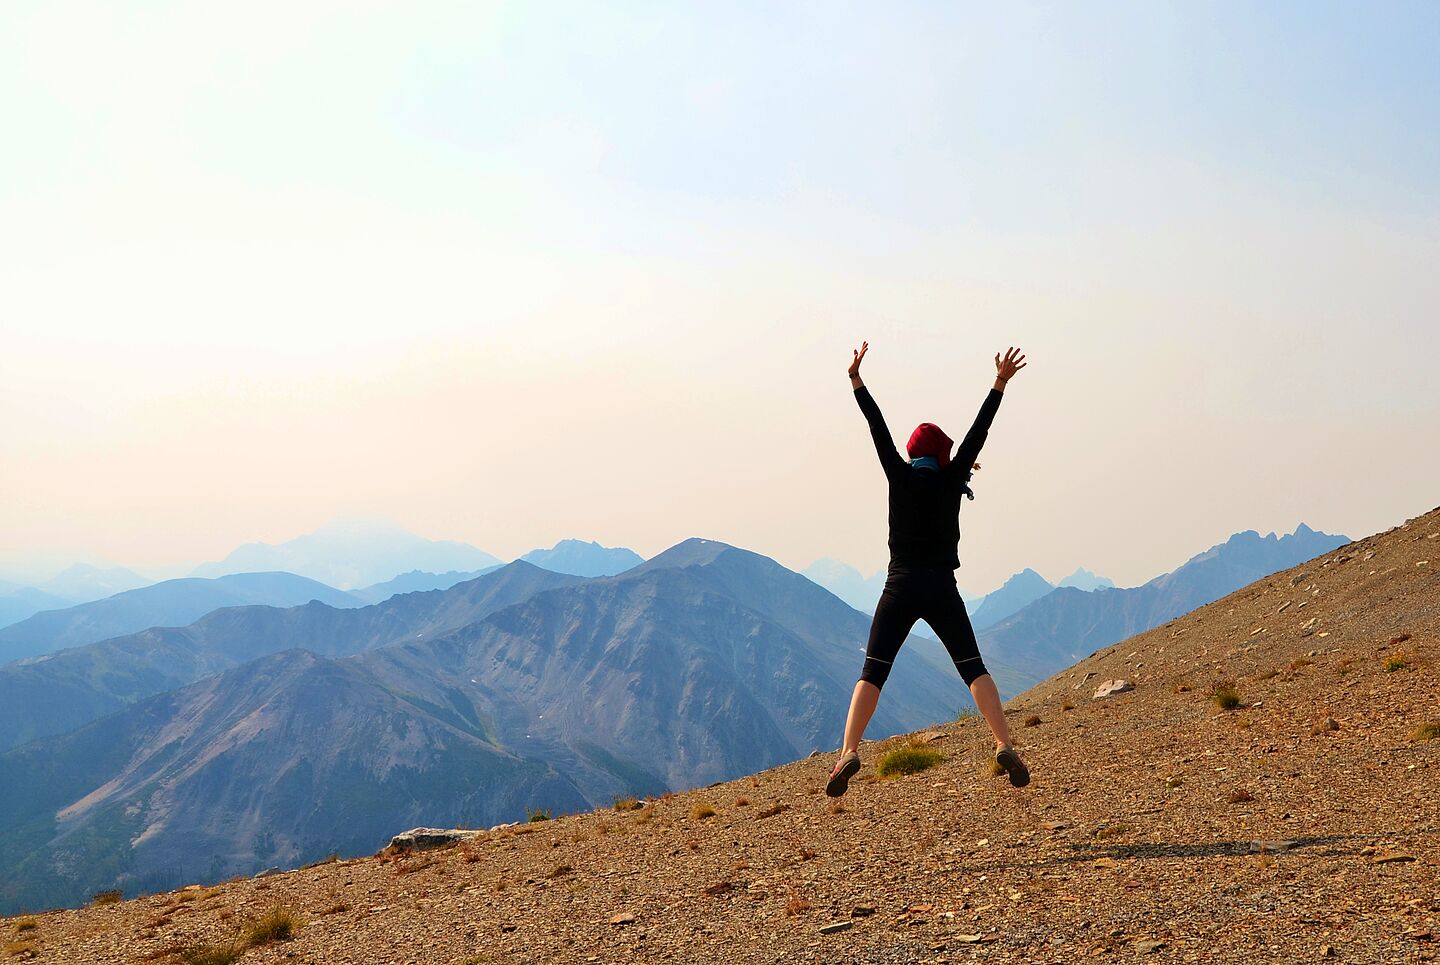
[862, 708]
[987, 698]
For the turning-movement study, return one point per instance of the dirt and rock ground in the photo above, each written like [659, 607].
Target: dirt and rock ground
[1302, 825]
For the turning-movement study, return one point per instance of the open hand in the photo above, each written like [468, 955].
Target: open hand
[859, 356]
[1006, 368]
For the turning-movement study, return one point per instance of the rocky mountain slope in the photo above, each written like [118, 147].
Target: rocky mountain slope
[1300, 825]
[702, 664]
[170, 603]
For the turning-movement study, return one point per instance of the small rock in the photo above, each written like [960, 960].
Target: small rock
[1149, 945]
[1106, 863]
[1111, 687]
[1283, 607]
[422, 839]
[928, 736]
[969, 939]
[861, 911]
[1054, 825]
[624, 918]
[1299, 578]
[1392, 857]
[814, 753]
[836, 926]
[1309, 626]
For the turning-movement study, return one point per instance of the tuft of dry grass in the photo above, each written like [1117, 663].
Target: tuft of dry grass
[796, 906]
[339, 908]
[1067, 705]
[741, 802]
[1397, 662]
[628, 804]
[837, 806]
[277, 924]
[1396, 641]
[1033, 720]
[1183, 687]
[111, 897]
[1300, 663]
[26, 924]
[331, 858]
[1425, 732]
[771, 811]
[561, 870]
[701, 811]
[220, 954]
[1224, 694]
[1240, 796]
[909, 759]
[1113, 829]
[16, 949]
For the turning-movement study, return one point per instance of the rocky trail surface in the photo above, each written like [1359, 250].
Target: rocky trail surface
[1302, 824]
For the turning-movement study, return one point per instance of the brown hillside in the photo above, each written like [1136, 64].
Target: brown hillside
[1303, 825]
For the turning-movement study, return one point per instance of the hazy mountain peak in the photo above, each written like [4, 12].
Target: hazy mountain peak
[580, 558]
[351, 552]
[1083, 579]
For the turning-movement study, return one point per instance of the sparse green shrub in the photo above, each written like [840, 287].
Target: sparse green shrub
[278, 924]
[1397, 662]
[221, 954]
[701, 811]
[536, 815]
[910, 759]
[1425, 732]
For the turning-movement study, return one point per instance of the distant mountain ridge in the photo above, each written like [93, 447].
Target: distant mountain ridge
[352, 553]
[1068, 624]
[168, 603]
[58, 692]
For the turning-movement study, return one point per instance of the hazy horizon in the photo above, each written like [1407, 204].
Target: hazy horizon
[511, 273]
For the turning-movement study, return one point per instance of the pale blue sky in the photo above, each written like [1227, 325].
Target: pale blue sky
[513, 272]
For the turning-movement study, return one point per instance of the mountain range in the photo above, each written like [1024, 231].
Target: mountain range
[520, 689]
[164, 604]
[1067, 624]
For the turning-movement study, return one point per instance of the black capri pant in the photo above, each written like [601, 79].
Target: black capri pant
[927, 594]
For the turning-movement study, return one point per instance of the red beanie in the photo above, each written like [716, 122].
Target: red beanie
[929, 440]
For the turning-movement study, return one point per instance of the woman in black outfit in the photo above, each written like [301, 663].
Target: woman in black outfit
[925, 495]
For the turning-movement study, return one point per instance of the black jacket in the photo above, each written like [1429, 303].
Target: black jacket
[925, 503]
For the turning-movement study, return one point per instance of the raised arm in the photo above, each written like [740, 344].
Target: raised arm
[890, 459]
[974, 441]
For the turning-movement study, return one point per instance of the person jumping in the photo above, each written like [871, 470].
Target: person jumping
[925, 496]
